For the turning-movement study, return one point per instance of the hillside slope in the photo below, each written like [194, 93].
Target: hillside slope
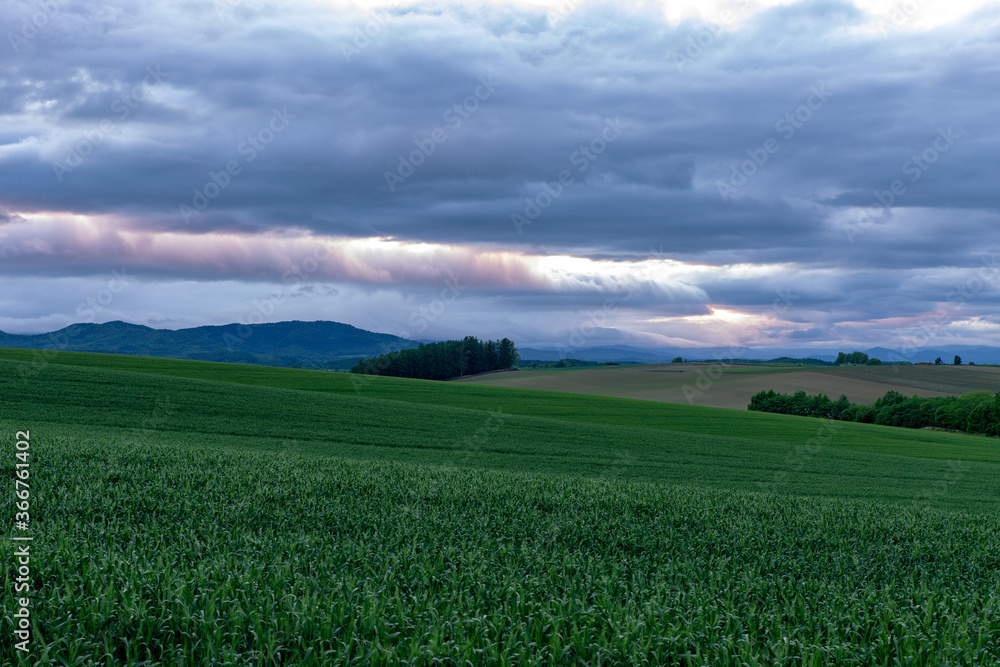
[273, 344]
[222, 514]
[732, 386]
[492, 401]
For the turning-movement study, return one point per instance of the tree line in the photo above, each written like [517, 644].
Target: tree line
[856, 358]
[978, 412]
[956, 362]
[445, 360]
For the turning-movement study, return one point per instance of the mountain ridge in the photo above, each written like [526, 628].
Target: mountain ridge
[337, 346]
[317, 344]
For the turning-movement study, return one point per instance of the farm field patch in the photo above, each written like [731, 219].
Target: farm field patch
[402, 521]
[732, 386]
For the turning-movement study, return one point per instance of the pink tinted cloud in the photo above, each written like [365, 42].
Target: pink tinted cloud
[72, 244]
[902, 321]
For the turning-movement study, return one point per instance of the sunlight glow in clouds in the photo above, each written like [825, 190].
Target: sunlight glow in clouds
[720, 315]
[84, 240]
[315, 204]
[721, 327]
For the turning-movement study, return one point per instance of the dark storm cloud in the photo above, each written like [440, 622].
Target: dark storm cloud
[554, 88]
[293, 117]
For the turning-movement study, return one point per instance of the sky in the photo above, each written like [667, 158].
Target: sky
[818, 174]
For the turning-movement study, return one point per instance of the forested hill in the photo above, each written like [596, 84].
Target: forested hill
[310, 344]
[444, 361]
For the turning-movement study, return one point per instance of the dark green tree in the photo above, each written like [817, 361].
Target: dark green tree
[507, 354]
[856, 358]
[978, 412]
[957, 361]
[443, 361]
[838, 407]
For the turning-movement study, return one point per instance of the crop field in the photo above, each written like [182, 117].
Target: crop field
[732, 386]
[193, 513]
[500, 403]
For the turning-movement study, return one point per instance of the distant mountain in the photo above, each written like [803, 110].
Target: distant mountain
[334, 345]
[627, 353]
[606, 353]
[883, 353]
[980, 354]
[310, 344]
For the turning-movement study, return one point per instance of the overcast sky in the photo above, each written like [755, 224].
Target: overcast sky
[810, 174]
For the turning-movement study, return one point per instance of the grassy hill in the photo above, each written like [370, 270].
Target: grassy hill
[240, 513]
[732, 386]
[678, 418]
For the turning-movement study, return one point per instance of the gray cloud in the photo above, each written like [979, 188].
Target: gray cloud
[130, 111]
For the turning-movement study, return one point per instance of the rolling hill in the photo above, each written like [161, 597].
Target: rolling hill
[310, 344]
[979, 354]
[732, 386]
[185, 511]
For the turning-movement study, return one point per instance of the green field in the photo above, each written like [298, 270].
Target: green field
[195, 513]
[731, 386]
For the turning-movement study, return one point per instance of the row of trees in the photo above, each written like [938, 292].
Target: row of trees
[445, 360]
[799, 404]
[861, 359]
[956, 362]
[856, 359]
[978, 412]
